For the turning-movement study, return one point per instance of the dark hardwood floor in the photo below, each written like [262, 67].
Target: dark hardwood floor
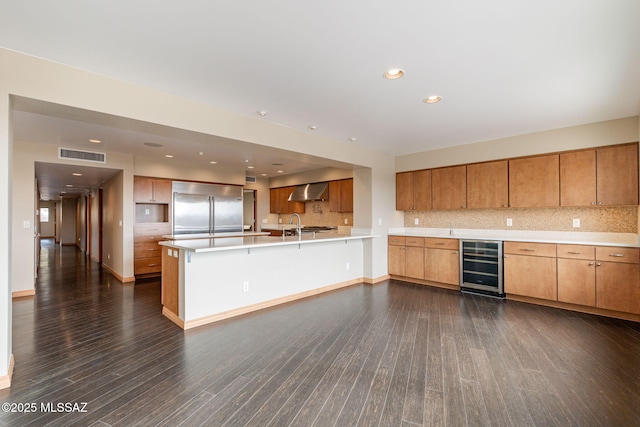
[393, 354]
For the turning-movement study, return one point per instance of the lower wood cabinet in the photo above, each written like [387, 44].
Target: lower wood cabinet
[147, 256]
[442, 260]
[431, 259]
[618, 279]
[530, 270]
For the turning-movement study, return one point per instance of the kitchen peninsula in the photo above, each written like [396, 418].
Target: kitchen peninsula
[207, 280]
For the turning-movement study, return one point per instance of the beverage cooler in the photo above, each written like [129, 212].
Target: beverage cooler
[481, 267]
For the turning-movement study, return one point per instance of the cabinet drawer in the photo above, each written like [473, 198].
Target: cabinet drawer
[396, 240]
[530, 249]
[414, 241]
[617, 254]
[148, 238]
[147, 265]
[145, 250]
[441, 243]
[576, 251]
[152, 228]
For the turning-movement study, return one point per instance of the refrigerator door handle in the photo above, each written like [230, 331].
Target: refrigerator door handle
[211, 215]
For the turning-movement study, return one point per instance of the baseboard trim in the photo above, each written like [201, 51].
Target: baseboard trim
[5, 380]
[266, 304]
[173, 317]
[124, 280]
[375, 280]
[22, 294]
[579, 308]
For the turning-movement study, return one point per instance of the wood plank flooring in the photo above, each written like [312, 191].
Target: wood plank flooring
[393, 354]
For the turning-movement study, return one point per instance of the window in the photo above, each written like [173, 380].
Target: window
[44, 214]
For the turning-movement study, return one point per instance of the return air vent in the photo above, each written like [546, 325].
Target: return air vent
[251, 179]
[85, 156]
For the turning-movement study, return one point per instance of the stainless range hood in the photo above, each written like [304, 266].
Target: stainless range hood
[309, 192]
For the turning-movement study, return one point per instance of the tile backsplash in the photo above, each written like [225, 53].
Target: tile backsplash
[318, 213]
[613, 219]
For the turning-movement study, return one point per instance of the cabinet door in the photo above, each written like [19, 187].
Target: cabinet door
[397, 260]
[449, 187]
[274, 200]
[422, 190]
[414, 262]
[618, 175]
[578, 178]
[531, 276]
[534, 182]
[142, 190]
[488, 185]
[618, 286]
[442, 266]
[162, 192]
[404, 191]
[341, 195]
[577, 281]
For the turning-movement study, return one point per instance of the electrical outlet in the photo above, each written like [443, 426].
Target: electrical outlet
[379, 221]
[346, 221]
[509, 222]
[245, 286]
[347, 266]
[279, 220]
[146, 212]
[576, 223]
[416, 221]
[108, 256]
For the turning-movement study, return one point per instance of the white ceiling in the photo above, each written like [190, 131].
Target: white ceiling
[503, 67]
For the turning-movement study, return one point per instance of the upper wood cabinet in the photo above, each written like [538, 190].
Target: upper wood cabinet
[578, 178]
[413, 190]
[341, 195]
[279, 201]
[534, 181]
[603, 176]
[488, 185]
[449, 187]
[151, 190]
[617, 172]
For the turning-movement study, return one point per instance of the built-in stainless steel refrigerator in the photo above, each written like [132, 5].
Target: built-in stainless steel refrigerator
[206, 208]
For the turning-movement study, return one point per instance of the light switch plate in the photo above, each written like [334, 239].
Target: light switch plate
[576, 223]
[509, 222]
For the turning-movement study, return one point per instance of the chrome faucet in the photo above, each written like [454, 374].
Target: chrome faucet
[298, 229]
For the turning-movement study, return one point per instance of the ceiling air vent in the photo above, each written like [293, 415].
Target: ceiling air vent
[85, 156]
[251, 179]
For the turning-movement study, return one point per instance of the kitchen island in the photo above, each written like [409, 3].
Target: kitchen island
[207, 280]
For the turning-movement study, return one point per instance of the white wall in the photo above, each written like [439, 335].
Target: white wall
[68, 222]
[572, 138]
[48, 229]
[6, 226]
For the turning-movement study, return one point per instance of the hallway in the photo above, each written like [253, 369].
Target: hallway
[393, 354]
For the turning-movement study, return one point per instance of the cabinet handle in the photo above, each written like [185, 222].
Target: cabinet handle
[527, 250]
[591, 263]
[504, 206]
[593, 203]
[152, 265]
[598, 264]
[574, 253]
[616, 255]
[599, 203]
[505, 256]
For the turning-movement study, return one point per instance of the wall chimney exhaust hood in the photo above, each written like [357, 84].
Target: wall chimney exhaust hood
[309, 192]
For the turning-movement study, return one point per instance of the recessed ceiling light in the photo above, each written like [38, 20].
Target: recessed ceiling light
[153, 144]
[76, 174]
[353, 138]
[313, 127]
[201, 153]
[95, 141]
[433, 99]
[168, 156]
[63, 192]
[393, 73]
[280, 171]
[263, 174]
[249, 167]
[262, 113]
[69, 185]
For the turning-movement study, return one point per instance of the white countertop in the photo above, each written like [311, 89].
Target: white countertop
[214, 235]
[232, 243]
[566, 237]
